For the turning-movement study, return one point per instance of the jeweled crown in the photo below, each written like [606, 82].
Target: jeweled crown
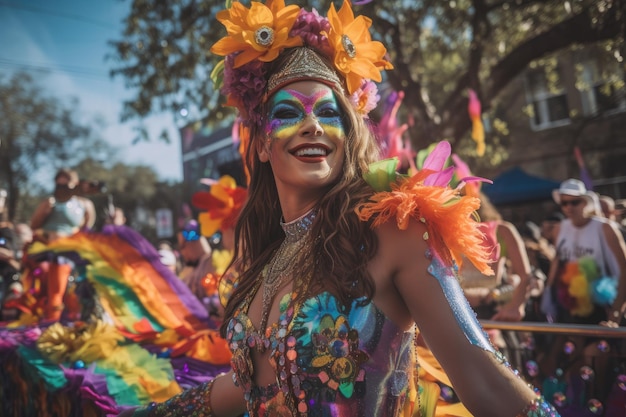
[303, 64]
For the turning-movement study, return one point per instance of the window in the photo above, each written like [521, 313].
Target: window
[600, 93]
[548, 104]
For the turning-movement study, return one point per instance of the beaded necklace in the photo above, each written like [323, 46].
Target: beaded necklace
[296, 244]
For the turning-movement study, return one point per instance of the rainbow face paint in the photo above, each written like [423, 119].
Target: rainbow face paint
[290, 109]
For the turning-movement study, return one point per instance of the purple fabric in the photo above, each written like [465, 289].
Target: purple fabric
[10, 339]
[91, 386]
[148, 251]
[190, 372]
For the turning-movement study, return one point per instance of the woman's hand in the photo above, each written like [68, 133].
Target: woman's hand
[609, 323]
[510, 312]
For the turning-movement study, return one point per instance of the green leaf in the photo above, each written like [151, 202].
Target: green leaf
[217, 75]
[381, 174]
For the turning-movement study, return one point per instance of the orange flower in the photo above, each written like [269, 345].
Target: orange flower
[260, 32]
[356, 55]
[223, 203]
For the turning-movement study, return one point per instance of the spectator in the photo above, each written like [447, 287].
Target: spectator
[60, 215]
[10, 286]
[587, 239]
[587, 279]
[607, 205]
[220, 206]
[168, 258]
[198, 270]
[116, 217]
[620, 212]
[24, 236]
[509, 261]
[549, 227]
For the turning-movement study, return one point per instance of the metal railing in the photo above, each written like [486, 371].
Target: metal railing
[601, 386]
[589, 330]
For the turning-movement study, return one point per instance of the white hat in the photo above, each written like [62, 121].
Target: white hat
[574, 188]
[167, 257]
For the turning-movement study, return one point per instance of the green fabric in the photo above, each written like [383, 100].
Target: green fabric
[123, 384]
[41, 368]
[117, 289]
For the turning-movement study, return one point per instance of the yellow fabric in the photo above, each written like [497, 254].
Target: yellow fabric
[87, 342]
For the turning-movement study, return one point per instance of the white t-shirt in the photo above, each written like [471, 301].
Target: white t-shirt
[589, 240]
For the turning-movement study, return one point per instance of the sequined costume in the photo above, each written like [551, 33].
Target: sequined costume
[328, 363]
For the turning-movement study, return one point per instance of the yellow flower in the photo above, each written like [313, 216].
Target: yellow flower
[260, 32]
[356, 55]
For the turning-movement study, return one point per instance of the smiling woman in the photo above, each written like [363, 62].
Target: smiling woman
[332, 277]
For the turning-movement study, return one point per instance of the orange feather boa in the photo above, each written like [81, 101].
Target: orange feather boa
[448, 216]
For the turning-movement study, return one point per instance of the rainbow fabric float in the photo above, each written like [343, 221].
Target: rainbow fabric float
[132, 332]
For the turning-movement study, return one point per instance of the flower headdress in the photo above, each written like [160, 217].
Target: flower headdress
[338, 50]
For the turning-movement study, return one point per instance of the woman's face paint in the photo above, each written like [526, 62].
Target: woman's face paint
[305, 139]
[290, 109]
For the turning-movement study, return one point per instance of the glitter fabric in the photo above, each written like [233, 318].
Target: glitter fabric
[463, 313]
[194, 402]
[328, 361]
[539, 408]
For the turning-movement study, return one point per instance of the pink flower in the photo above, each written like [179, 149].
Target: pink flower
[310, 26]
[244, 86]
[365, 98]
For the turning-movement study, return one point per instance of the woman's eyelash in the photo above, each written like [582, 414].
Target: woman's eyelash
[285, 113]
[328, 112]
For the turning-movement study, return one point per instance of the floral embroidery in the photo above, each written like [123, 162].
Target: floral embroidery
[332, 344]
[337, 354]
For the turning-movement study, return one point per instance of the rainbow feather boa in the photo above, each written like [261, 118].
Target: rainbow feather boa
[581, 286]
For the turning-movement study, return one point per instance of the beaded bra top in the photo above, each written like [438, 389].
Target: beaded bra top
[327, 361]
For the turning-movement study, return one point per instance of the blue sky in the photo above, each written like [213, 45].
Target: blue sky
[69, 37]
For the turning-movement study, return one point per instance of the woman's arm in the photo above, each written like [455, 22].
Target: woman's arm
[435, 301]
[615, 242]
[514, 310]
[90, 213]
[216, 398]
[41, 213]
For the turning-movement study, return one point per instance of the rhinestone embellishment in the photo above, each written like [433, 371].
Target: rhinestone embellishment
[348, 46]
[264, 36]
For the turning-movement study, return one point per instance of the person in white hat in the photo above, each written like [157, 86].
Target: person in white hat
[583, 237]
[587, 279]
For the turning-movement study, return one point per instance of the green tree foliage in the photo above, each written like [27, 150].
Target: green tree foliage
[440, 49]
[38, 134]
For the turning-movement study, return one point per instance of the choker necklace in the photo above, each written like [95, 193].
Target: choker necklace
[297, 239]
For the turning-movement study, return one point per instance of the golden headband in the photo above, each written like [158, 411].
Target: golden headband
[303, 64]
